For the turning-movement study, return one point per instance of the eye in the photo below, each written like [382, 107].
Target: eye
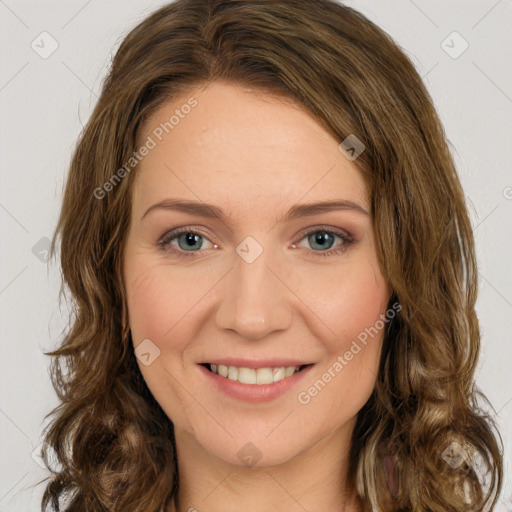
[186, 240]
[324, 238]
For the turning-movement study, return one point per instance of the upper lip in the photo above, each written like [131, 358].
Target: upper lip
[255, 363]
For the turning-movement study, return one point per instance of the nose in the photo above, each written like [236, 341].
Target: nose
[255, 298]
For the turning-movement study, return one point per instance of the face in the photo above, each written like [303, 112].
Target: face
[257, 285]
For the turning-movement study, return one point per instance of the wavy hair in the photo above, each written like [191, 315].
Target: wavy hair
[114, 445]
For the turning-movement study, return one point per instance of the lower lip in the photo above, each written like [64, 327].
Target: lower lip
[253, 392]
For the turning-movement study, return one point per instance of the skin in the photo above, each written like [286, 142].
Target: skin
[255, 156]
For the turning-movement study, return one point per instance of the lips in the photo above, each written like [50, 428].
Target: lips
[254, 391]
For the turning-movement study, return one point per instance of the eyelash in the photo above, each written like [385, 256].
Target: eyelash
[167, 238]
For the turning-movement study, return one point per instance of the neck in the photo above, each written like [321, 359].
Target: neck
[352, 504]
[311, 480]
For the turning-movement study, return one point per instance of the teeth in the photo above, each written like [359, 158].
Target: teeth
[252, 376]
[248, 376]
[278, 374]
[263, 376]
[232, 373]
[288, 372]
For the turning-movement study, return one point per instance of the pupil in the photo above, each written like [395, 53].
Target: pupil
[321, 238]
[191, 239]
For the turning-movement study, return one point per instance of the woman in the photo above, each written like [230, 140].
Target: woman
[274, 277]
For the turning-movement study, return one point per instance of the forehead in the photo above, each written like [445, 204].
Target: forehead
[239, 147]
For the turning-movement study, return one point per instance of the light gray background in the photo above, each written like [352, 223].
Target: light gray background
[46, 101]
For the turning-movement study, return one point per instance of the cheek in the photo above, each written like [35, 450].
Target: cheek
[145, 300]
[156, 300]
[353, 298]
[355, 311]
[158, 307]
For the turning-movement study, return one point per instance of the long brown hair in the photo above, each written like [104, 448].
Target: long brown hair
[114, 445]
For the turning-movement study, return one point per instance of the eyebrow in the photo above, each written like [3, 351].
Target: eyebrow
[296, 211]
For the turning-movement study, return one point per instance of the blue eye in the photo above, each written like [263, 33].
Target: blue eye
[324, 238]
[190, 241]
[187, 240]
